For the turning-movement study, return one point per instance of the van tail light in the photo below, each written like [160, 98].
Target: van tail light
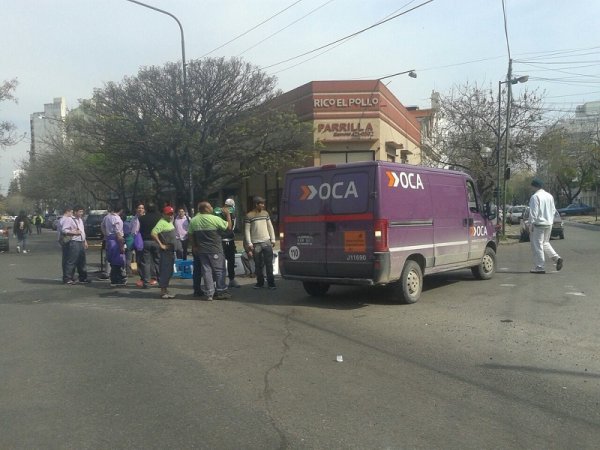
[380, 235]
[281, 237]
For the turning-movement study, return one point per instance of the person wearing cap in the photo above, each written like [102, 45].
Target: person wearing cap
[260, 235]
[164, 234]
[542, 210]
[205, 237]
[228, 242]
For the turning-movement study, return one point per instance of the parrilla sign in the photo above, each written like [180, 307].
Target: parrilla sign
[340, 129]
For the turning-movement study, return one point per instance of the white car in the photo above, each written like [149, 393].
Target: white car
[515, 214]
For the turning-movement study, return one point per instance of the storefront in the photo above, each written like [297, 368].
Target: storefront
[356, 121]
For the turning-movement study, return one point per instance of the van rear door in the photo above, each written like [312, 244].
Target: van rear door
[329, 222]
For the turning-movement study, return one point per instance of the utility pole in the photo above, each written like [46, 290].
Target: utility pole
[184, 92]
[507, 143]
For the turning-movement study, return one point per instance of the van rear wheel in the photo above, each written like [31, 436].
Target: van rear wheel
[411, 282]
[487, 267]
[315, 288]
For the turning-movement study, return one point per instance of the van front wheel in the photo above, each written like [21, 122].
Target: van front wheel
[315, 289]
[411, 282]
[487, 267]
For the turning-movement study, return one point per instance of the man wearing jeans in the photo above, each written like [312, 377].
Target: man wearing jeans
[149, 262]
[260, 235]
[76, 247]
[204, 234]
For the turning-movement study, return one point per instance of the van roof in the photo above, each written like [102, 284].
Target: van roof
[391, 165]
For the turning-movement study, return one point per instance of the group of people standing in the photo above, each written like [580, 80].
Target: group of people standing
[159, 237]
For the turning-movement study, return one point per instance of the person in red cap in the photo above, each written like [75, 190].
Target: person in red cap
[164, 235]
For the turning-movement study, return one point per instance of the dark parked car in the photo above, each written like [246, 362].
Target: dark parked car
[557, 227]
[92, 224]
[576, 209]
[5, 231]
[49, 221]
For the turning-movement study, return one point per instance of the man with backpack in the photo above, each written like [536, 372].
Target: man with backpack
[21, 229]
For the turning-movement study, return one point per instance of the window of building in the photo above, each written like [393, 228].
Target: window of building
[346, 157]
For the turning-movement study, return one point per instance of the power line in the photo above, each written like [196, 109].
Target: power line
[346, 37]
[339, 43]
[286, 27]
[251, 29]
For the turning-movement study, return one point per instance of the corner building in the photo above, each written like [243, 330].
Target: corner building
[356, 121]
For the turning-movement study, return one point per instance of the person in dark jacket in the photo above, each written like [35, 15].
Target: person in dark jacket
[21, 229]
[150, 260]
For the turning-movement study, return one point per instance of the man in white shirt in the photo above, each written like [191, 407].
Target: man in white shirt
[542, 209]
[76, 247]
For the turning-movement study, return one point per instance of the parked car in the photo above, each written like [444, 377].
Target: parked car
[49, 221]
[557, 227]
[92, 223]
[5, 230]
[576, 209]
[515, 213]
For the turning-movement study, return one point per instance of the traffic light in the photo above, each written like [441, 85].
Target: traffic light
[507, 173]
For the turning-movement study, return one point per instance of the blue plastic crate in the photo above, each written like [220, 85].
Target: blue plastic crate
[184, 268]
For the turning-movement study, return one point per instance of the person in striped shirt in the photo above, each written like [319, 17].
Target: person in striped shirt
[260, 235]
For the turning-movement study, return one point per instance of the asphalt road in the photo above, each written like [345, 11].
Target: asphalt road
[508, 363]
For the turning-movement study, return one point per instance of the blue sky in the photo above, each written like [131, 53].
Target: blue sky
[69, 47]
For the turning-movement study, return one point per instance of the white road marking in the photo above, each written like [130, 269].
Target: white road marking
[578, 294]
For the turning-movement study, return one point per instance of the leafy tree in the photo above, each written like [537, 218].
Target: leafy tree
[218, 129]
[467, 123]
[8, 134]
[568, 155]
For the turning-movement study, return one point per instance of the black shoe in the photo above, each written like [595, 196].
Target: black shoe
[537, 271]
[273, 287]
[258, 286]
[559, 264]
[86, 281]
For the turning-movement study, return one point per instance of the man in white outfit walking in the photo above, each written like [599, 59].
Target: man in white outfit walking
[542, 209]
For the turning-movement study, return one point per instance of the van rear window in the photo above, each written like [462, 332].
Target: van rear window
[329, 193]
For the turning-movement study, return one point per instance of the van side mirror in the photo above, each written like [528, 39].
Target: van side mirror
[488, 211]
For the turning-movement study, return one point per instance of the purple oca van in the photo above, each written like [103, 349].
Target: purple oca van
[379, 223]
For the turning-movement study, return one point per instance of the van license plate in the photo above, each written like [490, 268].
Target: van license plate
[355, 242]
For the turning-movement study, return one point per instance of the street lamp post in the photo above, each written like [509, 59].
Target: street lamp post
[411, 73]
[184, 87]
[509, 81]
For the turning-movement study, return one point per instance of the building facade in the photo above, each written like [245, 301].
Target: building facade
[47, 125]
[356, 121]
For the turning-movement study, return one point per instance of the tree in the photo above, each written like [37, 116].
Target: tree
[8, 134]
[467, 123]
[568, 155]
[219, 128]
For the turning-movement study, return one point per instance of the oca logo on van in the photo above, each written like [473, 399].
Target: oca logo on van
[324, 191]
[405, 180]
